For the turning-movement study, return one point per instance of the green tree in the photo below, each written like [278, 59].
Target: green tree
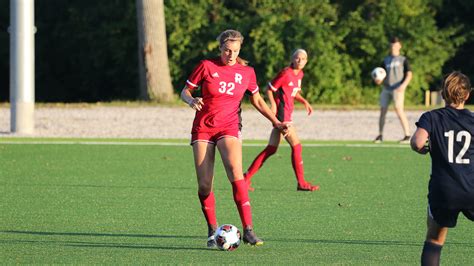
[427, 46]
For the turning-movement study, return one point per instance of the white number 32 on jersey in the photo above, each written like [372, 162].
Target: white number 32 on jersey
[226, 88]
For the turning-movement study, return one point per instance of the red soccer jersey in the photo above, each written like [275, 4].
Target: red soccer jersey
[285, 86]
[223, 88]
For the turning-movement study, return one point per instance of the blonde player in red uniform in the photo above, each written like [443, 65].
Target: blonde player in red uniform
[223, 81]
[282, 91]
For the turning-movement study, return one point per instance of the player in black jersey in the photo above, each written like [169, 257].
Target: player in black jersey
[447, 134]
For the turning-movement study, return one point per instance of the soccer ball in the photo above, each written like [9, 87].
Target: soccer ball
[378, 74]
[227, 237]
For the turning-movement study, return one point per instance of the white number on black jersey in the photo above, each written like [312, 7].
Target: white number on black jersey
[459, 138]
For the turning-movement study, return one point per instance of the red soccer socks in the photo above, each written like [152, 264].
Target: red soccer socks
[259, 160]
[208, 204]
[241, 198]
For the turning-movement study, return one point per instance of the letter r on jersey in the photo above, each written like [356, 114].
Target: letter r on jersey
[238, 78]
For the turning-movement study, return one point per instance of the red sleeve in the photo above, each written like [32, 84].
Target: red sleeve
[253, 86]
[276, 83]
[197, 76]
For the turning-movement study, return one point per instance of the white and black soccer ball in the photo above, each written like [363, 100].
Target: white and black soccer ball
[378, 74]
[227, 237]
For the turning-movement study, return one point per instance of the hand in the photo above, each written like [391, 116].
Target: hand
[284, 128]
[401, 88]
[425, 149]
[196, 103]
[378, 81]
[308, 107]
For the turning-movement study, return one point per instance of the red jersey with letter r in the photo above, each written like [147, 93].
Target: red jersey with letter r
[285, 87]
[223, 88]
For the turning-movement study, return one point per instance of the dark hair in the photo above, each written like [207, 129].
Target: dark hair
[395, 39]
[456, 87]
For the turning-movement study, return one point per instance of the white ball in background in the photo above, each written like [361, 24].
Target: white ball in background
[378, 74]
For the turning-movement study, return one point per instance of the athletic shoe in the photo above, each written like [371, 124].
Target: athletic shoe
[378, 139]
[211, 240]
[307, 187]
[405, 140]
[251, 238]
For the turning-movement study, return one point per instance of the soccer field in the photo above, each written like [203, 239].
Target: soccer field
[135, 202]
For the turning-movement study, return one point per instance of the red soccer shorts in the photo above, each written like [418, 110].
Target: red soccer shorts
[213, 136]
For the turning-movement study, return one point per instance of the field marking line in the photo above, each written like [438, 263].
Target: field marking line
[131, 143]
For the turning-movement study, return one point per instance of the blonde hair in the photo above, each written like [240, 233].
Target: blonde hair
[456, 88]
[232, 36]
[229, 35]
[295, 54]
[297, 51]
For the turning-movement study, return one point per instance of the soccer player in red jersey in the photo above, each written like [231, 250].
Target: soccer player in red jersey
[217, 123]
[282, 91]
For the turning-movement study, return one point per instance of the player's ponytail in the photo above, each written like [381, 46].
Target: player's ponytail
[242, 61]
[456, 88]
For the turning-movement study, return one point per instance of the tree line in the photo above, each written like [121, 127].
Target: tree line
[88, 51]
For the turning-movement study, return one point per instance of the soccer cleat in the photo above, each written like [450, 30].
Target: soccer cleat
[307, 187]
[378, 139]
[211, 240]
[405, 140]
[251, 238]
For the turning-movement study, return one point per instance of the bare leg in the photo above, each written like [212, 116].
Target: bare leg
[403, 120]
[383, 114]
[231, 154]
[436, 233]
[435, 238]
[204, 156]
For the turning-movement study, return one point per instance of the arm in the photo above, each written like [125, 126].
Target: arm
[407, 75]
[419, 140]
[271, 98]
[302, 100]
[187, 97]
[259, 104]
[406, 81]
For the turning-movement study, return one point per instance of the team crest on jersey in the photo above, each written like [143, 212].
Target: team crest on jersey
[291, 83]
[238, 78]
[215, 75]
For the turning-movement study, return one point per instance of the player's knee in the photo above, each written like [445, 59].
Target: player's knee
[271, 150]
[204, 188]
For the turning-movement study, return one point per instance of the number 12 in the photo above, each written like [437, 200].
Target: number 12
[459, 136]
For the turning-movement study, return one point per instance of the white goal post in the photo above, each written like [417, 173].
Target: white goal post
[22, 66]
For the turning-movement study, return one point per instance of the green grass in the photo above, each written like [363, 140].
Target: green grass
[137, 204]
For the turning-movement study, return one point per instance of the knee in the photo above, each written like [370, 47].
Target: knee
[205, 187]
[270, 149]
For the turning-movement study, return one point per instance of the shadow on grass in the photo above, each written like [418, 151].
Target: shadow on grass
[99, 244]
[81, 244]
[95, 186]
[365, 242]
[96, 234]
